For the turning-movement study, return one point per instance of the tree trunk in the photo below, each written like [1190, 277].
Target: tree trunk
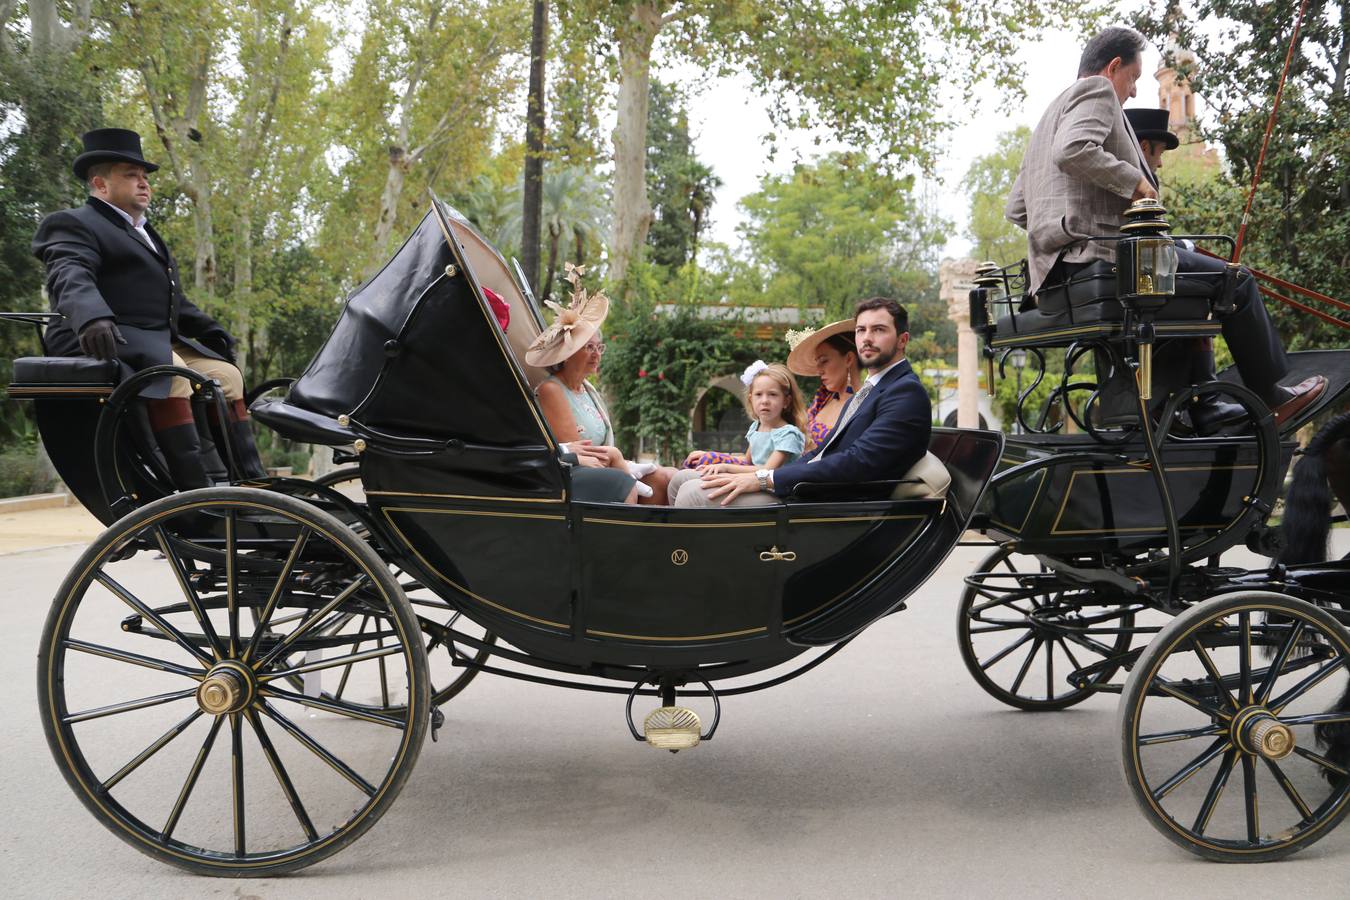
[533, 193]
[553, 236]
[204, 234]
[389, 197]
[632, 211]
[241, 301]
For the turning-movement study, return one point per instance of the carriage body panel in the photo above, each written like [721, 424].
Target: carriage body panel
[1063, 494]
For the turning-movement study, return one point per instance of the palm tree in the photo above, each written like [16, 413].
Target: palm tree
[576, 211]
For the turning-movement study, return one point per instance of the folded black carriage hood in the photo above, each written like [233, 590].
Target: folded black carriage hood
[417, 353]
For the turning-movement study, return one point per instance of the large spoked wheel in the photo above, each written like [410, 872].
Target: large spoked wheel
[447, 677]
[1219, 725]
[177, 720]
[1023, 631]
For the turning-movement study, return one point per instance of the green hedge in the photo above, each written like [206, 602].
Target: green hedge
[21, 473]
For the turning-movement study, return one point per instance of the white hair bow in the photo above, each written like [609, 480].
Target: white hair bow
[748, 376]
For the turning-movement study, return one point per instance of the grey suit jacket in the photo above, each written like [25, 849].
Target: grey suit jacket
[1079, 172]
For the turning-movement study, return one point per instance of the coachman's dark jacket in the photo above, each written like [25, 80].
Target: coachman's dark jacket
[98, 267]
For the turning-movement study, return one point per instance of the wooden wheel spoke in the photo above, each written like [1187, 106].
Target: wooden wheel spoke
[384, 677]
[135, 659]
[1281, 657]
[155, 618]
[992, 627]
[1328, 718]
[1064, 645]
[283, 777]
[1245, 656]
[193, 774]
[1172, 690]
[237, 783]
[1289, 790]
[1186, 772]
[1205, 660]
[1215, 791]
[232, 584]
[332, 663]
[338, 708]
[189, 592]
[309, 623]
[158, 744]
[319, 750]
[1183, 734]
[1321, 760]
[1307, 684]
[347, 672]
[1026, 666]
[1000, 655]
[1250, 804]
[127, 706]
[1049, 670]
[278, 589]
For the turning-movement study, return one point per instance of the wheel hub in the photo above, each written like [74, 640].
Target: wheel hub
[227, 688]
[1259, 733]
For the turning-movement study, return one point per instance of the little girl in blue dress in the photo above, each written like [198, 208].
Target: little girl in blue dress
[775, 403]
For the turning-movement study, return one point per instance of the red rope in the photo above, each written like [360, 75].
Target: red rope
[1289, 301]
[1270, 126]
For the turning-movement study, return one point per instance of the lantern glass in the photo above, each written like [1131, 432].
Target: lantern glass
[1155, 270]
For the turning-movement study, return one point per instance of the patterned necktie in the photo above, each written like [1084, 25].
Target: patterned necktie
[852, 408]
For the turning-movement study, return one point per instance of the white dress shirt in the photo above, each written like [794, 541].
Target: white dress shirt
[138, 225]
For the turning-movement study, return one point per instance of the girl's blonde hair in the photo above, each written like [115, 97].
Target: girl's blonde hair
[794, 411]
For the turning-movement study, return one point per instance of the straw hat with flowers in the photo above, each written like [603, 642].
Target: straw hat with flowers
[802, 345]
[574, 325]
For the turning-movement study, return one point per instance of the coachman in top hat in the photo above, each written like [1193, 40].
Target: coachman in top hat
[115, 282]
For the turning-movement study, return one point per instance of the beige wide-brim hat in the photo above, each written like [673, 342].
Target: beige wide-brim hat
[571, 329]
[803, 344]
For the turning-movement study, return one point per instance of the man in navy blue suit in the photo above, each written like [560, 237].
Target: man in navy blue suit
[880, 435]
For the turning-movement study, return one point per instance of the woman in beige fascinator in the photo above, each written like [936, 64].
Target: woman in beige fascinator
[570, 350]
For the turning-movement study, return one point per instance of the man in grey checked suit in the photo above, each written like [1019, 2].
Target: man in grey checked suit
[1084, 167]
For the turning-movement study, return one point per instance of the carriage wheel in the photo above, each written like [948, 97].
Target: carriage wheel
[1022, 631]
[447, 679]
[1218, 727]
[176, 721]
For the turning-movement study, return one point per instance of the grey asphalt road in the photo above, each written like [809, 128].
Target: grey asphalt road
[886, 772]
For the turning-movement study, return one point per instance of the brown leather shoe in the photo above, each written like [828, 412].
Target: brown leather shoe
[1305, 393]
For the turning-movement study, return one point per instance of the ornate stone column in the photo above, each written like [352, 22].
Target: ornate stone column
[955, 279]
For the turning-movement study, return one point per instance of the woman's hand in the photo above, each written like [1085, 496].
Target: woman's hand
[586, 450]
[714, 469]
[692, 458]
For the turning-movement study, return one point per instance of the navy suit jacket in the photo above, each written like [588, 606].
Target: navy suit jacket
[881, 442]
[97, 268]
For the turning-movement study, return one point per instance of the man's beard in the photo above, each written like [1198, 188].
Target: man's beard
[881, 360]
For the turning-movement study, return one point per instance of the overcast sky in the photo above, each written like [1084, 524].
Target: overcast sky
[729, 121]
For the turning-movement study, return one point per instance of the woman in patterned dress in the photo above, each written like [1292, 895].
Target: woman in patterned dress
[830, 354]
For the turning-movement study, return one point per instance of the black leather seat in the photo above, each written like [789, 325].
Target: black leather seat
[53, 376]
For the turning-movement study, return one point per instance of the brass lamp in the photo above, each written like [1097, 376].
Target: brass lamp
[988, 287]
[1146, 276]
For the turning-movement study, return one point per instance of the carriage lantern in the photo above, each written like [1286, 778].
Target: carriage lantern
[988, 284]
[1146, 275]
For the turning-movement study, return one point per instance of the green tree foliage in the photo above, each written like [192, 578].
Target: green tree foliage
[575, 217]
[681, 187]
[988, 183]
[835, 231]
[1300, 221]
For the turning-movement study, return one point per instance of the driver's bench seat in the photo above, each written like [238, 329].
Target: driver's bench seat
[1085, 306]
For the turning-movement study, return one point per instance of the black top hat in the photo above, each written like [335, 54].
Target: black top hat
[1151, 125]
[110, 145]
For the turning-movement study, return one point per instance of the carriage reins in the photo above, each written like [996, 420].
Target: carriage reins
[1251, 196]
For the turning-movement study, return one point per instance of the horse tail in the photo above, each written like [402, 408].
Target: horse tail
[1307, 519]
[1334, 737]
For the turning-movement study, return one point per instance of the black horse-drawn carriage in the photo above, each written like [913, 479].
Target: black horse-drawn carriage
[313, 628]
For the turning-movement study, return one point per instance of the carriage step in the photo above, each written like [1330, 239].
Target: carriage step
[672, 728]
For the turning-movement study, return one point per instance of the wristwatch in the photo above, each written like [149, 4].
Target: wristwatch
[764, 475]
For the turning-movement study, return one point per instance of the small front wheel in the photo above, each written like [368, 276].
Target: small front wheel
[1219, 727]
[173, 672]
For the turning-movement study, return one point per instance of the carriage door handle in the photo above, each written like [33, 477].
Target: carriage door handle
[773, 554]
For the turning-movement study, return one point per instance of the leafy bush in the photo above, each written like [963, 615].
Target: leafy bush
[21, 473]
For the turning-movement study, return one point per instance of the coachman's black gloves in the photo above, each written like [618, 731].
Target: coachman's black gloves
[220, 342]
[100, 338]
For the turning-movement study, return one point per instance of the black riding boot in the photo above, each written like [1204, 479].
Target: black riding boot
[240, 432]
[212, 464]
[176, 433]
